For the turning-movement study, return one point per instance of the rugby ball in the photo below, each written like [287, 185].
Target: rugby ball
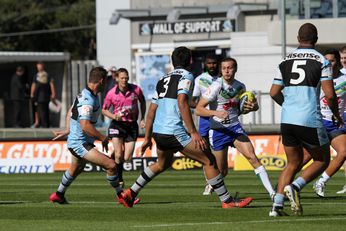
[244, 97]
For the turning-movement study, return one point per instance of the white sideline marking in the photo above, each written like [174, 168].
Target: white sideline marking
[274, 220]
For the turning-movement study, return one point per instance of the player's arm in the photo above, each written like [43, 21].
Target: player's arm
[143, 107]
[32, 90]
[330, 96]
[106, 105]
[149, 127]
[90, 130]
[201, 110]
[276, 93]
[109, 114]
[66, 131]
[195, 94]
[52, 90]
[194, 101]
[185, 112]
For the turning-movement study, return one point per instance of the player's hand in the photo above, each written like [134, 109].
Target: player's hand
[221, 114]
[60, 134]
[142, 123]
[250, 106]
[105, 144]
[147, 143]
[338, 120]
[200, 143]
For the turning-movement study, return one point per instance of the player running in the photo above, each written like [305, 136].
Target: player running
[81, 136]
[222, 97]
[166, 114]
[337, 135]
[295, 88]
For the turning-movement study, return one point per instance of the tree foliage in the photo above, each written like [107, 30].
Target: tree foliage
[33, 15]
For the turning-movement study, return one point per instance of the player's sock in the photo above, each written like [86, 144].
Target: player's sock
[120, 168]
[324, 178]
[66, 180]
[219, 187]
[146, 176]
[299, 183]
[114, 182]
[279, 200]
[261, 172]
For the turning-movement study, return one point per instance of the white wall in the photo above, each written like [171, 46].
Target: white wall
[257, 62]
[113, 41]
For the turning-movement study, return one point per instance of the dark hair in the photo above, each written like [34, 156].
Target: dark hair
[342, 50]
[334, 52]
[96, 74]
[338, 65]
[20, 68]
[212, 56]
[308, 33]
[229, 59]
[124, 70]
[181, 57]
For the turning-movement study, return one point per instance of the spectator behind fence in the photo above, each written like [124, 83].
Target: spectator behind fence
[42, 91]
[18, 89]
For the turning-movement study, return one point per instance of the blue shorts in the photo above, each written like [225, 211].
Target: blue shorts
[80, 150]
[204, 126]
[333, 130]
[223, 138]
[174, 143]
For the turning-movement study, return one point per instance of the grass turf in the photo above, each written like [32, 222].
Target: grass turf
[172, 201]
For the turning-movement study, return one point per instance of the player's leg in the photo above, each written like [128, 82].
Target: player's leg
[164, 161]
[244, 146]
[294, 154]
[107, 163]
[222, 160]
[343, 190]
[129, 146]
[213, 175]
[76, 167]
[339, 145]
[119, 147]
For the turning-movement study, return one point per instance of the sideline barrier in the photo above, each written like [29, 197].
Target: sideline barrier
[268, 148]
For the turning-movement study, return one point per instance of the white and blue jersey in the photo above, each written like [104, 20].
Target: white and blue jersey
[340, 90]
[85, 107]
[168, 120]
[300, 74]
[224, 97]
[202, 82]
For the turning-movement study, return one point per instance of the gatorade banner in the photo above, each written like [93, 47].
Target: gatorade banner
[268, 148]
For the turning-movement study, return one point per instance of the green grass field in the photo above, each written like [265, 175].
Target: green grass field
[172, 201]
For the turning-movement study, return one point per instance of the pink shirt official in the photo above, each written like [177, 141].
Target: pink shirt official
[125, 103]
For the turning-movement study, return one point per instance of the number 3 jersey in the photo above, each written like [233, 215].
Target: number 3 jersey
[168, 119]
[223, 97]
[300, 74]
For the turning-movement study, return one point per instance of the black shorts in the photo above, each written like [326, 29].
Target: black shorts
[126, 130]
[167, 142]
[295, 136]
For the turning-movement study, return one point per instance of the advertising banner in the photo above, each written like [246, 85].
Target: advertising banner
[30, 165]
[268, 148]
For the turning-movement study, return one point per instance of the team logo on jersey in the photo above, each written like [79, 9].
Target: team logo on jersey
[85, 110]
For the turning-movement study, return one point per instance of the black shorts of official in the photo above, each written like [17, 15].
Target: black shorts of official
[167, 142]
[121, 129]
[297, 136]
